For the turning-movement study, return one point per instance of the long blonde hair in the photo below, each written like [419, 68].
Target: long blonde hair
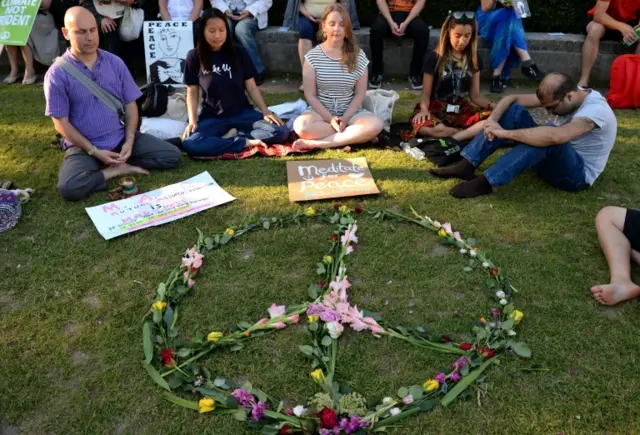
[350, 49]
[470, 54]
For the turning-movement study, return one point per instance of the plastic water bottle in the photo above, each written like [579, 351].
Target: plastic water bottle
[416, 153]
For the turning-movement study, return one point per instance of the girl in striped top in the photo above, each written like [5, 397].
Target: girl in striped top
[334, 77]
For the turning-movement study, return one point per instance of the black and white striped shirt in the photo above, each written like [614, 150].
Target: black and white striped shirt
[334, 83]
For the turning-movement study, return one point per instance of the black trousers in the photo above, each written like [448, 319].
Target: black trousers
[417, 29]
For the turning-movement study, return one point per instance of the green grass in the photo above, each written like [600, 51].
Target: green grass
[71, 303]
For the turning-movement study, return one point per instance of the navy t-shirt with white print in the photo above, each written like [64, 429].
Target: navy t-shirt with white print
[222, 86]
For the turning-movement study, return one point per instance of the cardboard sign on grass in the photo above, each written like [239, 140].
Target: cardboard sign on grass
[322, 179]
[158, 206]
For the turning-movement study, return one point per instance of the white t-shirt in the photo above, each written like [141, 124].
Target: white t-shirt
[180, 9]
[594, 146]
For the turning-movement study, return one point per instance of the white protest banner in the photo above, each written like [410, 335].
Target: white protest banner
[166, 44]
[158, 207]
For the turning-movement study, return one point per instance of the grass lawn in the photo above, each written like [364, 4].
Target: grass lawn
[71, 303]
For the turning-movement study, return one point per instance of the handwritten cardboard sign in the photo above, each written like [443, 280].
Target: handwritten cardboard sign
[166, 44]
[158, 207]
[321, 179]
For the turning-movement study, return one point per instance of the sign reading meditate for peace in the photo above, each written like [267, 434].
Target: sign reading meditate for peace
[16, 20]
[321, 179]
[158, 207]
[166, 44]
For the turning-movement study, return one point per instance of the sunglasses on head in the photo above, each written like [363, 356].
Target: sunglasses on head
[463, 15]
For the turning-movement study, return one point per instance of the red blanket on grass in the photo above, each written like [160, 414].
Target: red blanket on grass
[268, 151]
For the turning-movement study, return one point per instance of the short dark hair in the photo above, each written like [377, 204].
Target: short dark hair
[556, 89]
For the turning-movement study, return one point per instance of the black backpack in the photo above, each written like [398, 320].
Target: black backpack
[153, 102]
[441, 152]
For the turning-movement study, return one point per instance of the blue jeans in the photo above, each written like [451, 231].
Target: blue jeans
[560, 164]
[206, 140]
[245, 32]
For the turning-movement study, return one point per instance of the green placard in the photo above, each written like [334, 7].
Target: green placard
[16, 20]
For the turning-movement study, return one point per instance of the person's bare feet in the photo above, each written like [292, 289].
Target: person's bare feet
[611, 294]
[306, 144]
[123, 169]
[231, 133]
[254, 143]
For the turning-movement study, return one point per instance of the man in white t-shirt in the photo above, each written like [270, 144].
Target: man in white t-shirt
[570, 154]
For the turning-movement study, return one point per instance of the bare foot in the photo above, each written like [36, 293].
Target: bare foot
[231, 133]
[611, 294]
[123, 169]
[255, 143]
[307, 144]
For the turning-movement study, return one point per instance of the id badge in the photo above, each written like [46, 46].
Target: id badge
[453, 108]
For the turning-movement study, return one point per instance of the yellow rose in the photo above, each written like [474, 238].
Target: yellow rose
[431, 385]
[229, 232]
[313, 319]
[344, 209]
[158, 306]
[516, 316]
[442, 232]
[327, 259]
[214, 336]
[318, 376]
[206, 405]
[309, 212]
[483, 320]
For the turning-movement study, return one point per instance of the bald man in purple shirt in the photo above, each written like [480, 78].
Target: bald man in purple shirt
[98, 145]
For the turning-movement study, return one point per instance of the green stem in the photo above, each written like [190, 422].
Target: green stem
[426, 344]
[190, 360]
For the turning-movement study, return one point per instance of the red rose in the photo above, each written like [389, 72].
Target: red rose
[359, 208]
[285, 430]
[336, 206]
[167, 356]
[445, 338]
[485, 352]
[466, 346]
[494, 272]
[194, 272]
[322, 283]
[328, 418]
[334, 237]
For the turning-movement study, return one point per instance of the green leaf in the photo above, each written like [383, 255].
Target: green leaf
[428, 405]
[247, 386]
[326, 340]
[159, 339]
[162, 291]
[224, 239]
[464, 371]
[269, 430]
[184, 352]
[403, 392]
[507, 325]
[147, 342]
[209, 243]
[220, 382]
[176, 381]
[168, 316]
[467, 269]
[261, 395]
[157, 316]
[236, 347]
[522, 349]
[465, 382]
[156, 377]
[312, 291]
[182, 402]
[306, 349]
[214, 394]
[244, 325]
[240, 415]
[471, 242]
[266, 225]
[321, 270]
[416, 392]
[508, 309]
[232, 402]
[313, 327]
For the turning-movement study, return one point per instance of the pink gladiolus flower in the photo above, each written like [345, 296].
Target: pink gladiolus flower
[437, 224]
[408, 400]
[350, 235]
[191, 283]
[263, 321]
[294, 319]
[349, 250]
[276, 310]
[375, 330]
[457, 236]
[197, 261]
[279, 325]
[358, 325]
[341, 287]
[186, 275]
[186, 262]
[447, 227]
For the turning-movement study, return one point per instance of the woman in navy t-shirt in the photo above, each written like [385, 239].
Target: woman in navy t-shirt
[223, 71]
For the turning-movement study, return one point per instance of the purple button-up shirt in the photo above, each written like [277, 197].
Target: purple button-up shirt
[68, 98]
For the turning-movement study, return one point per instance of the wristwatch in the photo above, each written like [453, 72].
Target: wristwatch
[92, 150]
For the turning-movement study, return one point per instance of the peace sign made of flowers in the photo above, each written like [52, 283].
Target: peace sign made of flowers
[174, 364]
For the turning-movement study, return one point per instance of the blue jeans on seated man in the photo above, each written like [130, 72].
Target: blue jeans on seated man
[245, 32]
[207, 140]
[560, 164]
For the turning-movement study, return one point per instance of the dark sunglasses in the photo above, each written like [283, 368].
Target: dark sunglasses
[463, 15]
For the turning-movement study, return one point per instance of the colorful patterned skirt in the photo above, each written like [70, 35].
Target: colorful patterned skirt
[468, 115]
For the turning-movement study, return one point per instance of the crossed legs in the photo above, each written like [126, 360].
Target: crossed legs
[315, 132]
[617, 250]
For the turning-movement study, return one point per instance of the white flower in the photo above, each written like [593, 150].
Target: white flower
[500, 294]
[299, 411]
[387, 401]
[503, 302]
[485, 264]
[394, 411]
[463, 251]
[511, 332]
[335, 329]
[473, 253]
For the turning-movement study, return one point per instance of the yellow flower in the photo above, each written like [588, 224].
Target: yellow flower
[483, 320]
[516, 316]
[431, 385]
[442, 232]
[206, 405]
[158, 306]
[344, 209]
[229, 232]
[327, 259]
[318, 376]
[313, 319]
[309, 212]
[214, 336]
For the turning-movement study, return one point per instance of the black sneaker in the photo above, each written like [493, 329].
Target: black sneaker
[260, 78]
[376, 81]
[533, 72]
[497, 85]
[416, 82]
